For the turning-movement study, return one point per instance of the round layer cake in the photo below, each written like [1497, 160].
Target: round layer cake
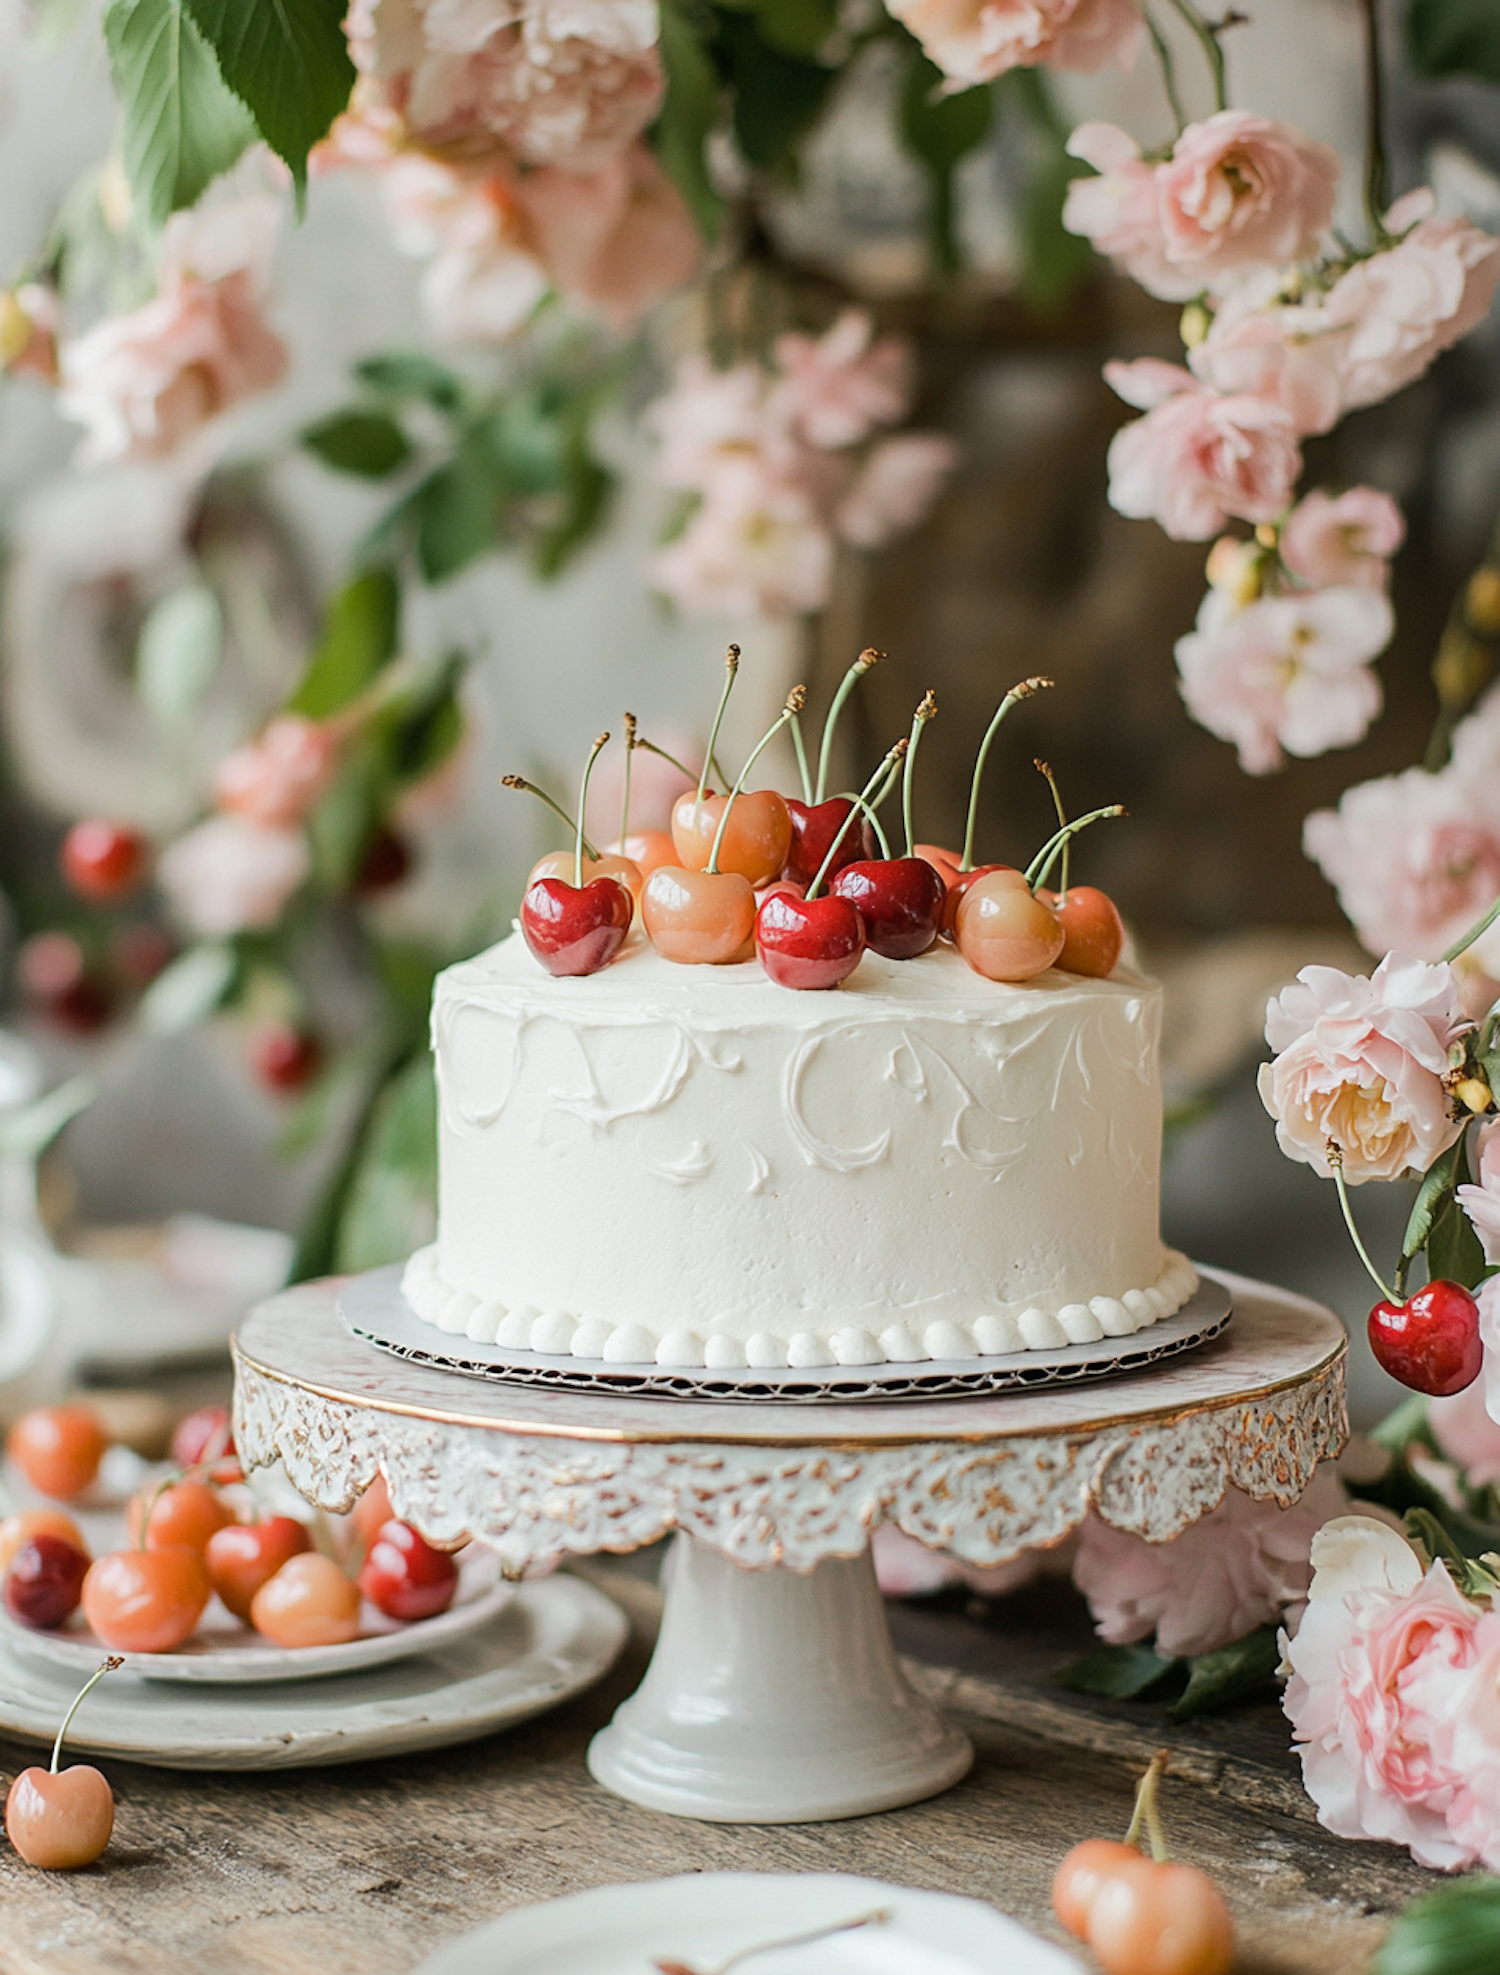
[693, 1166]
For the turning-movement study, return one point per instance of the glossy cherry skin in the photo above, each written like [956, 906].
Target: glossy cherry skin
[1093, 931]
[405, 1577]
[1083, 1872]
[244, 1555]
[19, 1529]
[103, 861]
[559, 864]
[1165, 1919]
[576, 930]
[1431, 1341]
[944, 862]
[959, 886]
[814, 827]
[205, 1438]
[58, 1449]
[698, 918]
[756, 837]
[285, 1058]
[60, 1821]
[900, 900]
[372, 1511]
[45, 1581]
[183, 1515]
[647, 850]
[808, 942]
[146, 1601]
[309, 1602]
[1005, 932]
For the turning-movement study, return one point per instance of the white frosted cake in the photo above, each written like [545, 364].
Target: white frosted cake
[693, 1166]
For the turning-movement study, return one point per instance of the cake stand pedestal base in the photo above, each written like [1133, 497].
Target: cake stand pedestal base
[774, 1698]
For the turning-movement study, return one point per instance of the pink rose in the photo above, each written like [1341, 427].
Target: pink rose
[1246, 1563]
[1279, 351]
[1197, 458]
[1379, 1671]
[1344, 538]
[1117, 210]
[894, 488]
[836, 388]
[276, 779]
[618, 238]
[1473, 1750]
[755, 548]
[230, 875]
[973, 41]
[484, 279]
[1461, 1425]
[908, 1569]
[1361, 1061]
[1482, 1202]
[1285, 675]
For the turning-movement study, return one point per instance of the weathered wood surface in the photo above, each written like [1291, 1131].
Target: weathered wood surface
[363, 1870]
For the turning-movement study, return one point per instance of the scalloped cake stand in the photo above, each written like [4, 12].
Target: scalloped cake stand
[774, 1695]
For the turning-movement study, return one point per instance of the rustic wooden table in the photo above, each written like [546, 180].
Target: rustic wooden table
[363, 1870]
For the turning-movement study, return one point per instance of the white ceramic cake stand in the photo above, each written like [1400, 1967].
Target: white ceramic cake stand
[774, 1695]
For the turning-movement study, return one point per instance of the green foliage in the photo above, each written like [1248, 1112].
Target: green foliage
[1122, 1673]
[408, 376]
[26, 1130]
[1453, 1931]
[368, 444]
[182, 125]
[178, 651]
[456, 511]
[777, 97]
[288, 62]
[1232, 1673]
[1455, 37]
[791, 27]
[1403, 1425]
[941, 131]
[1053, 261]
[189, 989]
[360, 635]
[390, 1207]
[1434, 1196]
[689, 108]
[1453, 1248]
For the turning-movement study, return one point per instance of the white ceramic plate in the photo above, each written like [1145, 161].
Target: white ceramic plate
[223, 1651]
[704, 1917]
[556, 1637]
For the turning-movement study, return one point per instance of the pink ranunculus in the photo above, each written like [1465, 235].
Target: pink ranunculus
[1197, 458]
[618, 239]
[1415, 859]
[1342, 538]
[1379, 1671]
[144, 383]
[973, 41]
[230, 875]
[1285, 675]
[1282, 351]
[1481, 1202]
[836, 388]
[1244, 1564]
[894, 488]
[1461, 1424]
[755, 548]
[1359, 1061]
[1242, 191]
[1404, 306]
[276, 779]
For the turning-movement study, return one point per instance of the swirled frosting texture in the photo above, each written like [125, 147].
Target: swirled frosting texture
[690, 1165]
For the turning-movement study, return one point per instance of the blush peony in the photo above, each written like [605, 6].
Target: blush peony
[276, 779]
[1344, 538]
[1360, 1061]
[617, 239]
[754, 548]
[1473, 1815]
[1285, 675]
[973, 41]
[230, 875]
[1197, 458]
[483, 279]
[1284, 352]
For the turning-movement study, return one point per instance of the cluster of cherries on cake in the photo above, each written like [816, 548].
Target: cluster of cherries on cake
[807, 885]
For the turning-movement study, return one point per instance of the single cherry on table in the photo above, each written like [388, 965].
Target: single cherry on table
[1431, 1342]
[61, 1819]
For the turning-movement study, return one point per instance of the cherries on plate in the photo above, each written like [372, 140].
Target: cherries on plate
[405, 1577]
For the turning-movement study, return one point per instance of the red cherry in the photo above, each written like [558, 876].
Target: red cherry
[576, 929]
[1431, 1341]
[959, 886]
[405, 1577]
[814, 828]
[45, 1581]
[284, 1058]
[624, 870]
[245, 1555]
[808, 942]
[386, 863]
[944, 862]
[205, 1437]
[900, 900]
[1093, 931]
[103, 860]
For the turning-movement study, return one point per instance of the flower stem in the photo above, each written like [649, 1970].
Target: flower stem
[520, 782]
[856, 672]
[1016, 694]
[583, 796]
[1480, 927]
[110, 1666]
[1375, 185]
[1040, 867]
[796, 699]
[925, 712]
[1213, 52]
[731, 667]
[1336, 1162]
[891, 761]
[625, 800]
[1166, 62]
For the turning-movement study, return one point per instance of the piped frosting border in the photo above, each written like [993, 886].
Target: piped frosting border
[561, 1333]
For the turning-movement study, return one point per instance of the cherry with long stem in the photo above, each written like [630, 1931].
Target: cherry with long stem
[1040, 868]
[630, 724]
[803, 773]
[530, 788]
[111, 1665]
[867, 659]
[1025, 690]
[583, 795]
[796, 699]
[1045, 771]
[892, 761]
[1476, 931]
[925, 712]
[1335, 1156]
[731, 667]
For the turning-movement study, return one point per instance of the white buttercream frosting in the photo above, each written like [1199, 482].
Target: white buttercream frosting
[691, 1166]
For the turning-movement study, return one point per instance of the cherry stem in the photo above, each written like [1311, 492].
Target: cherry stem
[520, 782]
[869, 808]
[1044, 770]
[731, 667]
[1013, 698]
[861, 801]
[867, 658]
[625, 802]
[920, 718]
[1474, 933]
[802, 769]
[1040, 867]
[796, 699]
[1335, 1157]
[583, 796]
[652, 748]
[1146, 1810]
[111, 1665]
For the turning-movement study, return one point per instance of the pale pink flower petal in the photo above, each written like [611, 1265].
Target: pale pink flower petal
[1461, 1424]
[973, 41]
[484, 279]
[1411, 302]
[1197, 458]
[707, 414]
[1286, 353]
[1285, 675]
[894, 488]
[618, 238]
[755, 548]
[230, 875]
[836, 388]
[1243, 191]
[276, 779]
[1473, 1751]
[1344, 538]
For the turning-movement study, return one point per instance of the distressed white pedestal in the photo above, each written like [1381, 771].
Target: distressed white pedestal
[774, 1695]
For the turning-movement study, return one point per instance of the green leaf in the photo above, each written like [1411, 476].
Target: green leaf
[589, 487]
[1455, 37]
[426, 727]
[182, 126]
[1436, 1190]
[1232, 1673]
[457, 512]
[796, 27]
[1121, 1672]
[345, 819]
[1053, 261]
[178, 651]
[391, 1206]
[409, 374]
[367, 443]
[1405, 1423]
[288, 61]
[941, 130]
[28, 1129]
[689, 109]
[360, 635]
[1453, 1248]
[777, 99]
[189, 988]
[1453, 1931]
